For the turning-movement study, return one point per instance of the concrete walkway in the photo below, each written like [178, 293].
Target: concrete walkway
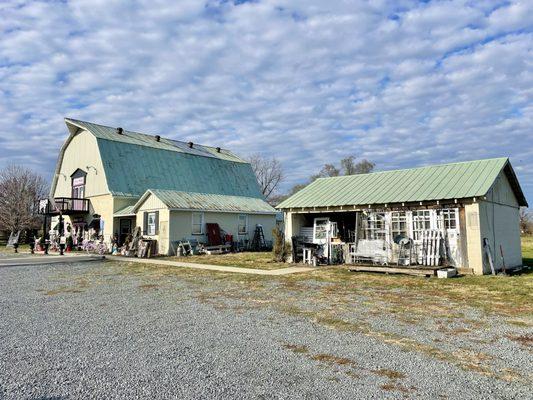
[209, 267]
[41, 259]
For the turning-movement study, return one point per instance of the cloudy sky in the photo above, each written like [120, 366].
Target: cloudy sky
[401, 83]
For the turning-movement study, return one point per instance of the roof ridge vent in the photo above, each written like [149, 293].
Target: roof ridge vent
[120, 131]
[157, 138]
[191, 144]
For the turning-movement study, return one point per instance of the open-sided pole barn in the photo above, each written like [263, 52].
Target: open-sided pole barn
[462, 214]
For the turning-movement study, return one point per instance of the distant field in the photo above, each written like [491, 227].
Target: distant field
[527, 250]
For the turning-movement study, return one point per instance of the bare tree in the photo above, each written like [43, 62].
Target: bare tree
[350, 167]
[20, 191]
[526, 221]
[269, 173]
[327, 171]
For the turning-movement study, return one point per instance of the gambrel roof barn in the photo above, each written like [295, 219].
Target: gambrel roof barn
[168, 187]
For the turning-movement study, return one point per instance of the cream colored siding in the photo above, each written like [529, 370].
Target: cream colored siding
[499, 223]
[181, 225]
[103, 205]
[501, 192]
[293, 223]
[473, 238]
[81, 152]
[152, 203]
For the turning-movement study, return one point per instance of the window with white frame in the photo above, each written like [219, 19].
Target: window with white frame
[243, 224]
[398, 224]
[448, 216]
[151, 223]
[375, 226]
[421, 222]
[197, 223]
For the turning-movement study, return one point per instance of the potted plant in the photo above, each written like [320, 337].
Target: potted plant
[69, 243]
[41, 243]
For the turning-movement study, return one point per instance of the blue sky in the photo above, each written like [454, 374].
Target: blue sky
[402, 83]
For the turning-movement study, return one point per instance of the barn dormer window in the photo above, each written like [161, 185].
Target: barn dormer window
[78, 184]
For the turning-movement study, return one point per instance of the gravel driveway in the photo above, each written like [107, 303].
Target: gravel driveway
[112, 330]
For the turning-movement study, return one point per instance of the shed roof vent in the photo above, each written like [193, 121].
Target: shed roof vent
[157, 138]
[120, 130]
[191, 144]
[218, 149]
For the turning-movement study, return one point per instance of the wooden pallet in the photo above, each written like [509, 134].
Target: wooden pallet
[410, 270]
[220, 249]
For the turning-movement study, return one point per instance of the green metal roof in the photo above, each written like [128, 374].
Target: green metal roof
[437, 182]
[208, 202]
[126, 211]
[134, 162]
[142, 139]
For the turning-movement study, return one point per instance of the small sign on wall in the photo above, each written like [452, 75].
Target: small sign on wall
[78, 181]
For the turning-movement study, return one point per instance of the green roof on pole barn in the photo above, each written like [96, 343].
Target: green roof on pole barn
[134, 162]
[208, 202]
[437, 182]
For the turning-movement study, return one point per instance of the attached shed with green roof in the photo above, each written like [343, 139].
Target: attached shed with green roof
[169, 188]
[471, 204]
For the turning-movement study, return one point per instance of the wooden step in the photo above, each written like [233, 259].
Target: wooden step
[412, 270]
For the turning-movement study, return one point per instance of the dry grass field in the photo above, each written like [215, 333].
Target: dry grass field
[382, 335]
[256, 260]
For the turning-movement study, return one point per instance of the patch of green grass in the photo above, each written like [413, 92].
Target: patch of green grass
[23, 248]
[527, 250]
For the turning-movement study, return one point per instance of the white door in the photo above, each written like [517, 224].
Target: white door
[448, 223]
[320, 230]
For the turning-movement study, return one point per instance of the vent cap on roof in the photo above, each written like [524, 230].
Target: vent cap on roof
[218, 149]
[157, 138]
[120, 130]
[191, 144]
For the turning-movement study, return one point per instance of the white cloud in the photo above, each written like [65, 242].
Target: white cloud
[402, 83]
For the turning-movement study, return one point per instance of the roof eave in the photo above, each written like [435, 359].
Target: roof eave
[224, 211]
[515, 184]
[142, 199]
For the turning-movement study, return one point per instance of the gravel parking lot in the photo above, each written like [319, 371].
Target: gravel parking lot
[115, 330]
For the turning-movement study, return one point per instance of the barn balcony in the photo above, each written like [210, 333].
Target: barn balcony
[64, 205]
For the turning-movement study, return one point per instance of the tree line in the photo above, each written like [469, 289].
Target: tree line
[21, 189]
[270, 175]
